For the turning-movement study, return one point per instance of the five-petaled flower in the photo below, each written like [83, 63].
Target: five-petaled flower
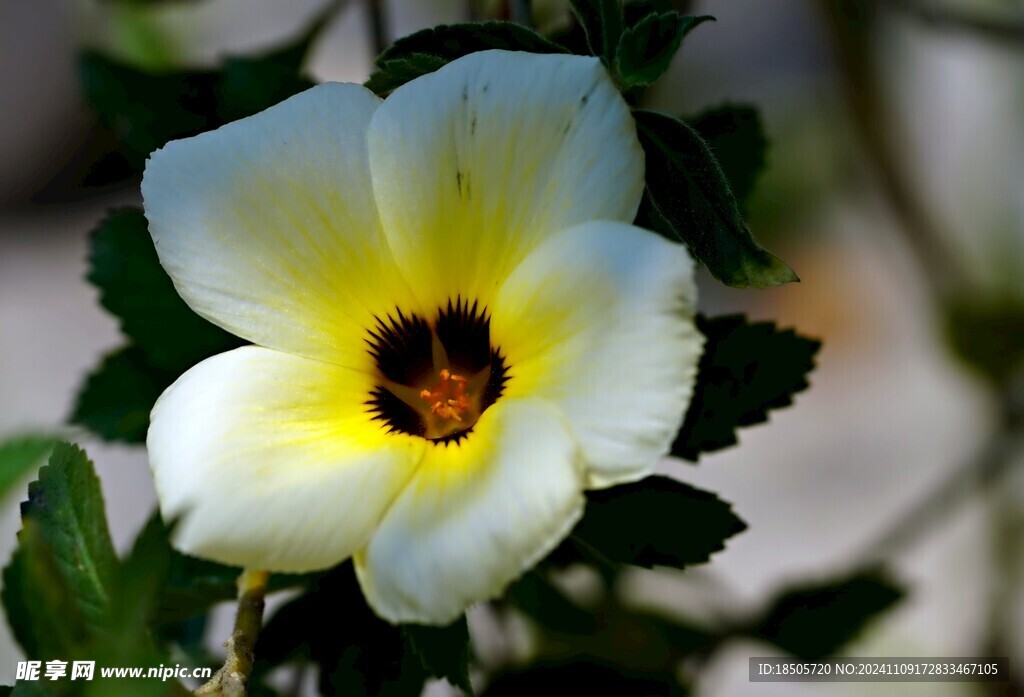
[456, 330]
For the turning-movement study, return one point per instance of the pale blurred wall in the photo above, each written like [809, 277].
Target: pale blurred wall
[887, 414]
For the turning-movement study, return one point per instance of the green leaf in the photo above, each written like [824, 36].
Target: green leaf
[167, 337]
[602, 20]
[546, 605]
[747, 369]
[19, 455]
[443, 651]
[586, 678]
[647, 48]
[116, 398]
[736, 137]
[360, 654]
[689, 192]
[40, 606]
[395, 73]
[670, 523]
[988, 335]
[451, 41]
[65, 563]
[134, 287]
[66, 504]
[429, 49]
[144, 109]
[816, 620]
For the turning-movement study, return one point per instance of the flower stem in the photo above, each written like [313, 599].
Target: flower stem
[232, 678]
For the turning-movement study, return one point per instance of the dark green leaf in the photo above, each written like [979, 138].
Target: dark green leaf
[145, 110]
[135, 288]
[451, 41]
[670, 523]
[115, 401]
[395, 73]
[40, 606]
[546, 605]
[66, 506]
[602, 20]
[816, 620]
[646, 49]
[167, 337]
[360, 655]
[19, 455]
[585, 677]
[429, 49]
[191, 586]
[443, 651]
[736, 137]
[988, 336]
[689, 191]
[747, 369]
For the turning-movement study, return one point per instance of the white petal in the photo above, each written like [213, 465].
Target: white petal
[268, 225]
[599, 321]
[475, 164]
[475, 516]
[270, 461]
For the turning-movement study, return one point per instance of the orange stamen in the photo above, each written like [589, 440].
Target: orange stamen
[449, 399]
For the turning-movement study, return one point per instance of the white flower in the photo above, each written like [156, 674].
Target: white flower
[456, 330]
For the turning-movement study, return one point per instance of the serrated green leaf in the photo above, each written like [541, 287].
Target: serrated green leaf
[747, 369]
[167, 337]
[392, 74]
[429, 49]
[116, 398]
[19, 455]
[689, 191]
[602, 20]
[66, 505]
[736, 137]
[816, 620]
[670, 523]
[134, 287]
[443, 651]
[451, 41]
[360, 655]
[145, 109]
[40, 606]
[646, 49]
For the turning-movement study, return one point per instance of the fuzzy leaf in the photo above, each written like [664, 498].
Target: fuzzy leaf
[646, 49]
[40, 606]
[116, 398]
[747, 369]
[443, 651]
[816, 620]
[392, 74]
[429, 49]
[689, 192]
[135, 288]
[167, 337]
[64, 539]
[670, 523]
[361, 655]
[736, 138]
[602, 20]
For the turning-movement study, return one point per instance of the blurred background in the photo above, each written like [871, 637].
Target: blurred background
[895, 181]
